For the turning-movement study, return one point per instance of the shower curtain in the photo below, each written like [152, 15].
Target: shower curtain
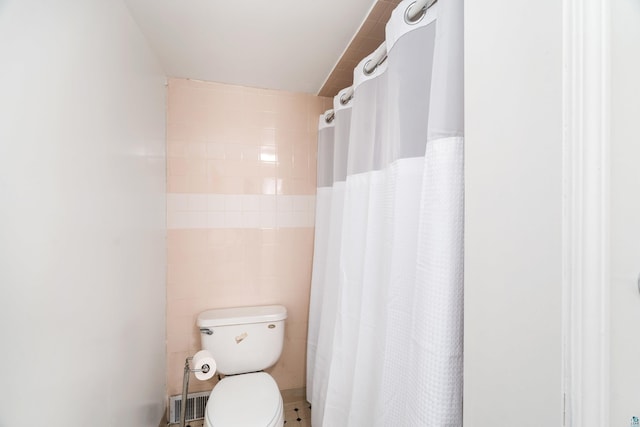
[385, 318]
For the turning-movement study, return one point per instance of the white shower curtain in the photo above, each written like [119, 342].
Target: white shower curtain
[385, 320]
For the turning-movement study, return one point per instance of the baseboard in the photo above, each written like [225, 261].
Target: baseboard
[294, 395]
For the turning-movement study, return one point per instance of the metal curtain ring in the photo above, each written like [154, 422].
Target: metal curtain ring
[343, 100]
[369, 72]
[328, 118]
[416, 19]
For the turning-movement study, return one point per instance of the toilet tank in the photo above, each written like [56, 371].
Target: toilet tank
[243, 339]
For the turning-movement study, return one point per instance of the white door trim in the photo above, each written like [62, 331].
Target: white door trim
[586, 110]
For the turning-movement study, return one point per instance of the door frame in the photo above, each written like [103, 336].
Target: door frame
[586, 230]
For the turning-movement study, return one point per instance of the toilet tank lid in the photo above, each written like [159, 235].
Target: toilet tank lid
[242, 315]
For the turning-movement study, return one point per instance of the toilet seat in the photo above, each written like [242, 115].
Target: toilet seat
[246, 400]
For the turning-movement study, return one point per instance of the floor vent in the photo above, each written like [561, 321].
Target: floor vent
[196, 403]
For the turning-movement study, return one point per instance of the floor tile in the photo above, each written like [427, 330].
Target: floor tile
[297, 414]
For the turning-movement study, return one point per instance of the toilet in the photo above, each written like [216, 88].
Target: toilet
[244, 341]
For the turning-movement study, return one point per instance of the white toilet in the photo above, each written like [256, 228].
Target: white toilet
[244, 341]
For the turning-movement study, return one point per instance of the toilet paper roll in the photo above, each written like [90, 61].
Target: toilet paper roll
[201, 360]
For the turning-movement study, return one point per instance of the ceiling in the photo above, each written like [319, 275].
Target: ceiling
[288, 45]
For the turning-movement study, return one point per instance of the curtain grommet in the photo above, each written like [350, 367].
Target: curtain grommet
[328, 118]
[416, 19]
[366, 71]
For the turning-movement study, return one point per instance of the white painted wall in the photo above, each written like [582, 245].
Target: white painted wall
[82, 223]
[625, 211]
[513, 235]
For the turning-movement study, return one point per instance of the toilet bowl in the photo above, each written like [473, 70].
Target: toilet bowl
[247, 400]
[244, 341]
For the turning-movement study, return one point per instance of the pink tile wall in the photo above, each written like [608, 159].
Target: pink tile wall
[234, 140]
[226, 139]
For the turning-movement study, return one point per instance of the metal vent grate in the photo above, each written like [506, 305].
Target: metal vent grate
[196, 404]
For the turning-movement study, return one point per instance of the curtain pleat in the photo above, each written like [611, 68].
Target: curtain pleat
[320, 244]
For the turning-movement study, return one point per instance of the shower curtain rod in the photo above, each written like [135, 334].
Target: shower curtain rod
[414, 13]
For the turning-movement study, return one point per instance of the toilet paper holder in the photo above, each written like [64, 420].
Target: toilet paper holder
[205, 368]
[185, 385]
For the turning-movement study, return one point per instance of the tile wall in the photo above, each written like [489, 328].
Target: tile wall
[241, 179]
